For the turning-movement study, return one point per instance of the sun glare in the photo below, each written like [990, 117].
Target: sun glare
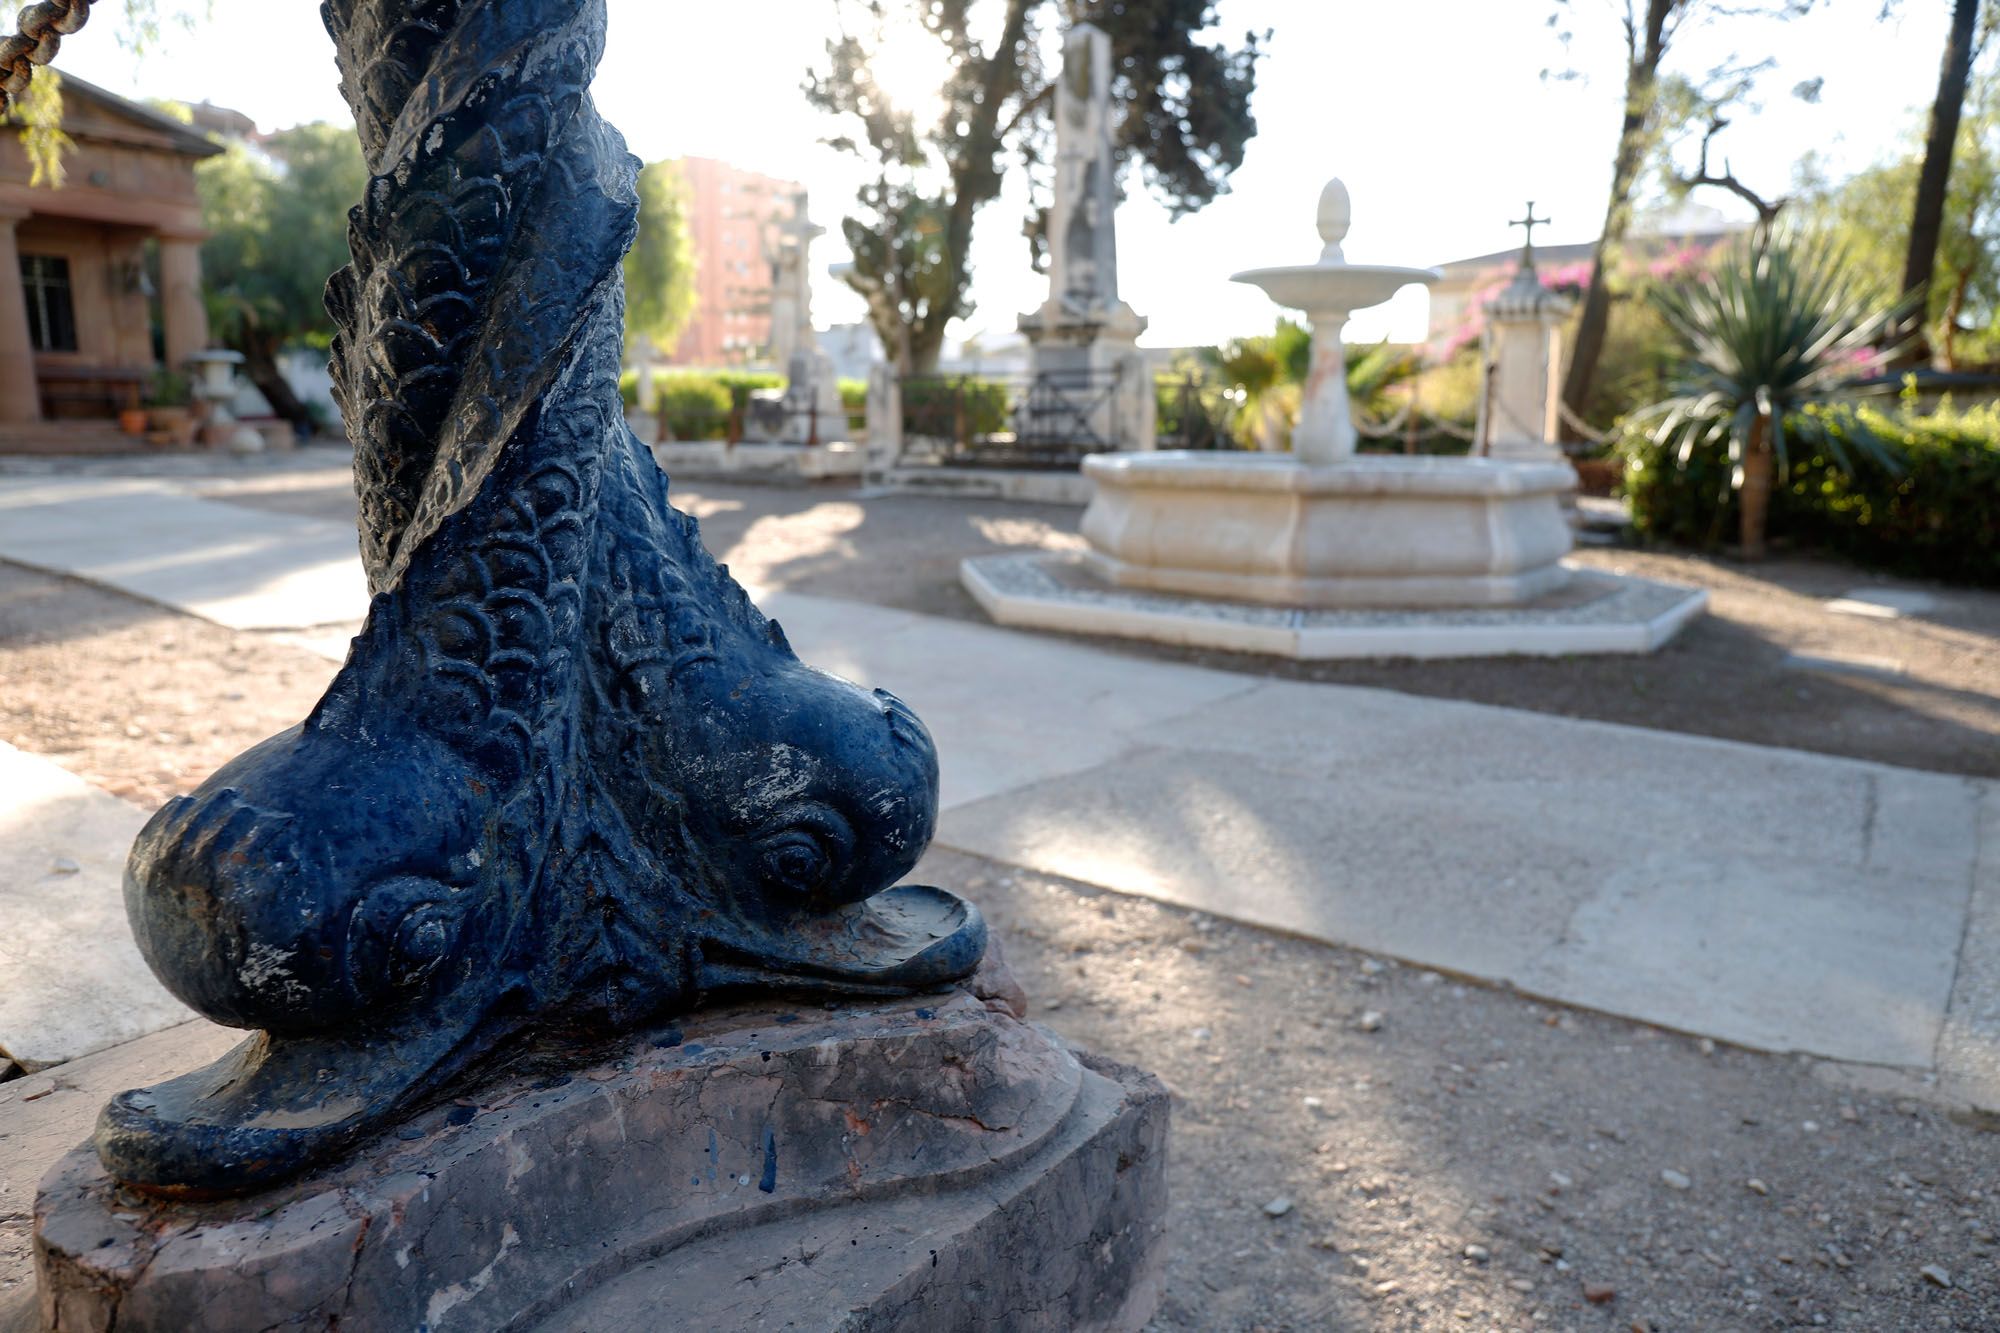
[909, 66]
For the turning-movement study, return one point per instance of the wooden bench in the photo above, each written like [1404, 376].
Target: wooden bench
[101, 391]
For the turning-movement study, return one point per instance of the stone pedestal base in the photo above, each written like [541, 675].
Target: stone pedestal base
[930, 1164]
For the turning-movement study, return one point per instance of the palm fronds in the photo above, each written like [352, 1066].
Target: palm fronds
[1775, 329]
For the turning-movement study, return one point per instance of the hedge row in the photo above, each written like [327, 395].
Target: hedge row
[699, 404]
[1936, 515]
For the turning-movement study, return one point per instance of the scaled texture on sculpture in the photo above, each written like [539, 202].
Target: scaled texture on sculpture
[569, 778]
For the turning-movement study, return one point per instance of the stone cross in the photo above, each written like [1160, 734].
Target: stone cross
[1083, 245]
[791, 283]
[1518, 403]
[1527, 225]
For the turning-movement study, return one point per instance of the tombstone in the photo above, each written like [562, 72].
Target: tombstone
[581, 985]
[1084, 336]
[1521, 398]
[885, 415]
[812, 411]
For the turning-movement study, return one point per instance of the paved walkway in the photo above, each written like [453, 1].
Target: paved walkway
[1778, 899]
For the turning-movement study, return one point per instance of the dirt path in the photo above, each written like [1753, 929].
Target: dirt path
[1446, 1156]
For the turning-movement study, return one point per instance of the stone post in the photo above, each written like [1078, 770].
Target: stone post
[20, 400]
[184, 318]
[1519, 400]
[1138, 404]
[885, 416]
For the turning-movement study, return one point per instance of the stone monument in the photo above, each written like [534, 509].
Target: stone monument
[568, 792]
[1083, 337]
[813, 414]
[1519, 403]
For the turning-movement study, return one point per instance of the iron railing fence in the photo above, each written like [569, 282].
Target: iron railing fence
[1052, 420]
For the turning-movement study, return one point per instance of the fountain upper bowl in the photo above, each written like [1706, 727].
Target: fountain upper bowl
[1334, 286]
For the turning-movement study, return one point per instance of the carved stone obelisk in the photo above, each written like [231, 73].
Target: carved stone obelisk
[812, 393]
[1082, 339]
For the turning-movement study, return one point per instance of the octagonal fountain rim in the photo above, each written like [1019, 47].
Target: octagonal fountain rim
[1355, 475]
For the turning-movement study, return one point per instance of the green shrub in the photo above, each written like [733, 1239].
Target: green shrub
[854, 402]
[628, 389]
[1936, 515]
[694, 406]
[742, 383]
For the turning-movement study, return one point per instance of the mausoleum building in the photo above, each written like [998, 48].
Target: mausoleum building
[81, 267]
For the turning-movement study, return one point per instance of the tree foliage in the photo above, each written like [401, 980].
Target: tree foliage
[1868, 216]
[1657, 108]
[39, 117]
[1181, 100]
[660, 267]
[277, 218]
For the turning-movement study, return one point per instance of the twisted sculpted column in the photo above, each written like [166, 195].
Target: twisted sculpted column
[569, 778]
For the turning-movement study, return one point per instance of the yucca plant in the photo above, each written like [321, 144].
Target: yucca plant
[1775, 328]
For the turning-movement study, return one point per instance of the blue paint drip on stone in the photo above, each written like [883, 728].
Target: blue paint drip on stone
[769, 1182]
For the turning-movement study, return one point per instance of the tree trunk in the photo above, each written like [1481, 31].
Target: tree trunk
[1754, 498]
[1641, 84]
[1952, 310]
[975, 180]
[1927, 215]
[260, 363]
[926, 343]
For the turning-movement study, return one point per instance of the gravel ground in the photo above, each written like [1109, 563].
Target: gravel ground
[1925, 694]
[1356, 1145]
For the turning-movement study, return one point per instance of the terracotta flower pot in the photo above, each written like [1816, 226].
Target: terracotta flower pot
[132, 421]
[177, 423]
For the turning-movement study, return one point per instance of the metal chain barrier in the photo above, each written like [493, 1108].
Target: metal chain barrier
[1580, 426]
[1385, 430]
[43, 26]
[1442, 426]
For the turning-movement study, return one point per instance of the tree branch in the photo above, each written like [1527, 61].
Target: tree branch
[1767, 209]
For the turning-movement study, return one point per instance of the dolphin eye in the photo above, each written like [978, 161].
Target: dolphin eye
[795, 860]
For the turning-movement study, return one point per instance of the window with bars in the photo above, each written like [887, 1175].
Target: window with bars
[51, 312]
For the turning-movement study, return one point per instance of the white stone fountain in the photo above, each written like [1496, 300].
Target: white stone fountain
[1326, 552]
[1323, 525]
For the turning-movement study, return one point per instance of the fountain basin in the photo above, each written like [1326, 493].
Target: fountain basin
[1368, 531]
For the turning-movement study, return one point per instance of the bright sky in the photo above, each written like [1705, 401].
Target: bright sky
[1433, 111]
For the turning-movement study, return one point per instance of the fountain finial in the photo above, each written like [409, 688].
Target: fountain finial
[1336, 211]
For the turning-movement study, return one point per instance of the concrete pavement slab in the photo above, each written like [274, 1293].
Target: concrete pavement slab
[1005, 710]
[1968, 1055]
[236, 566]
[1773, 898]
[71, 979]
